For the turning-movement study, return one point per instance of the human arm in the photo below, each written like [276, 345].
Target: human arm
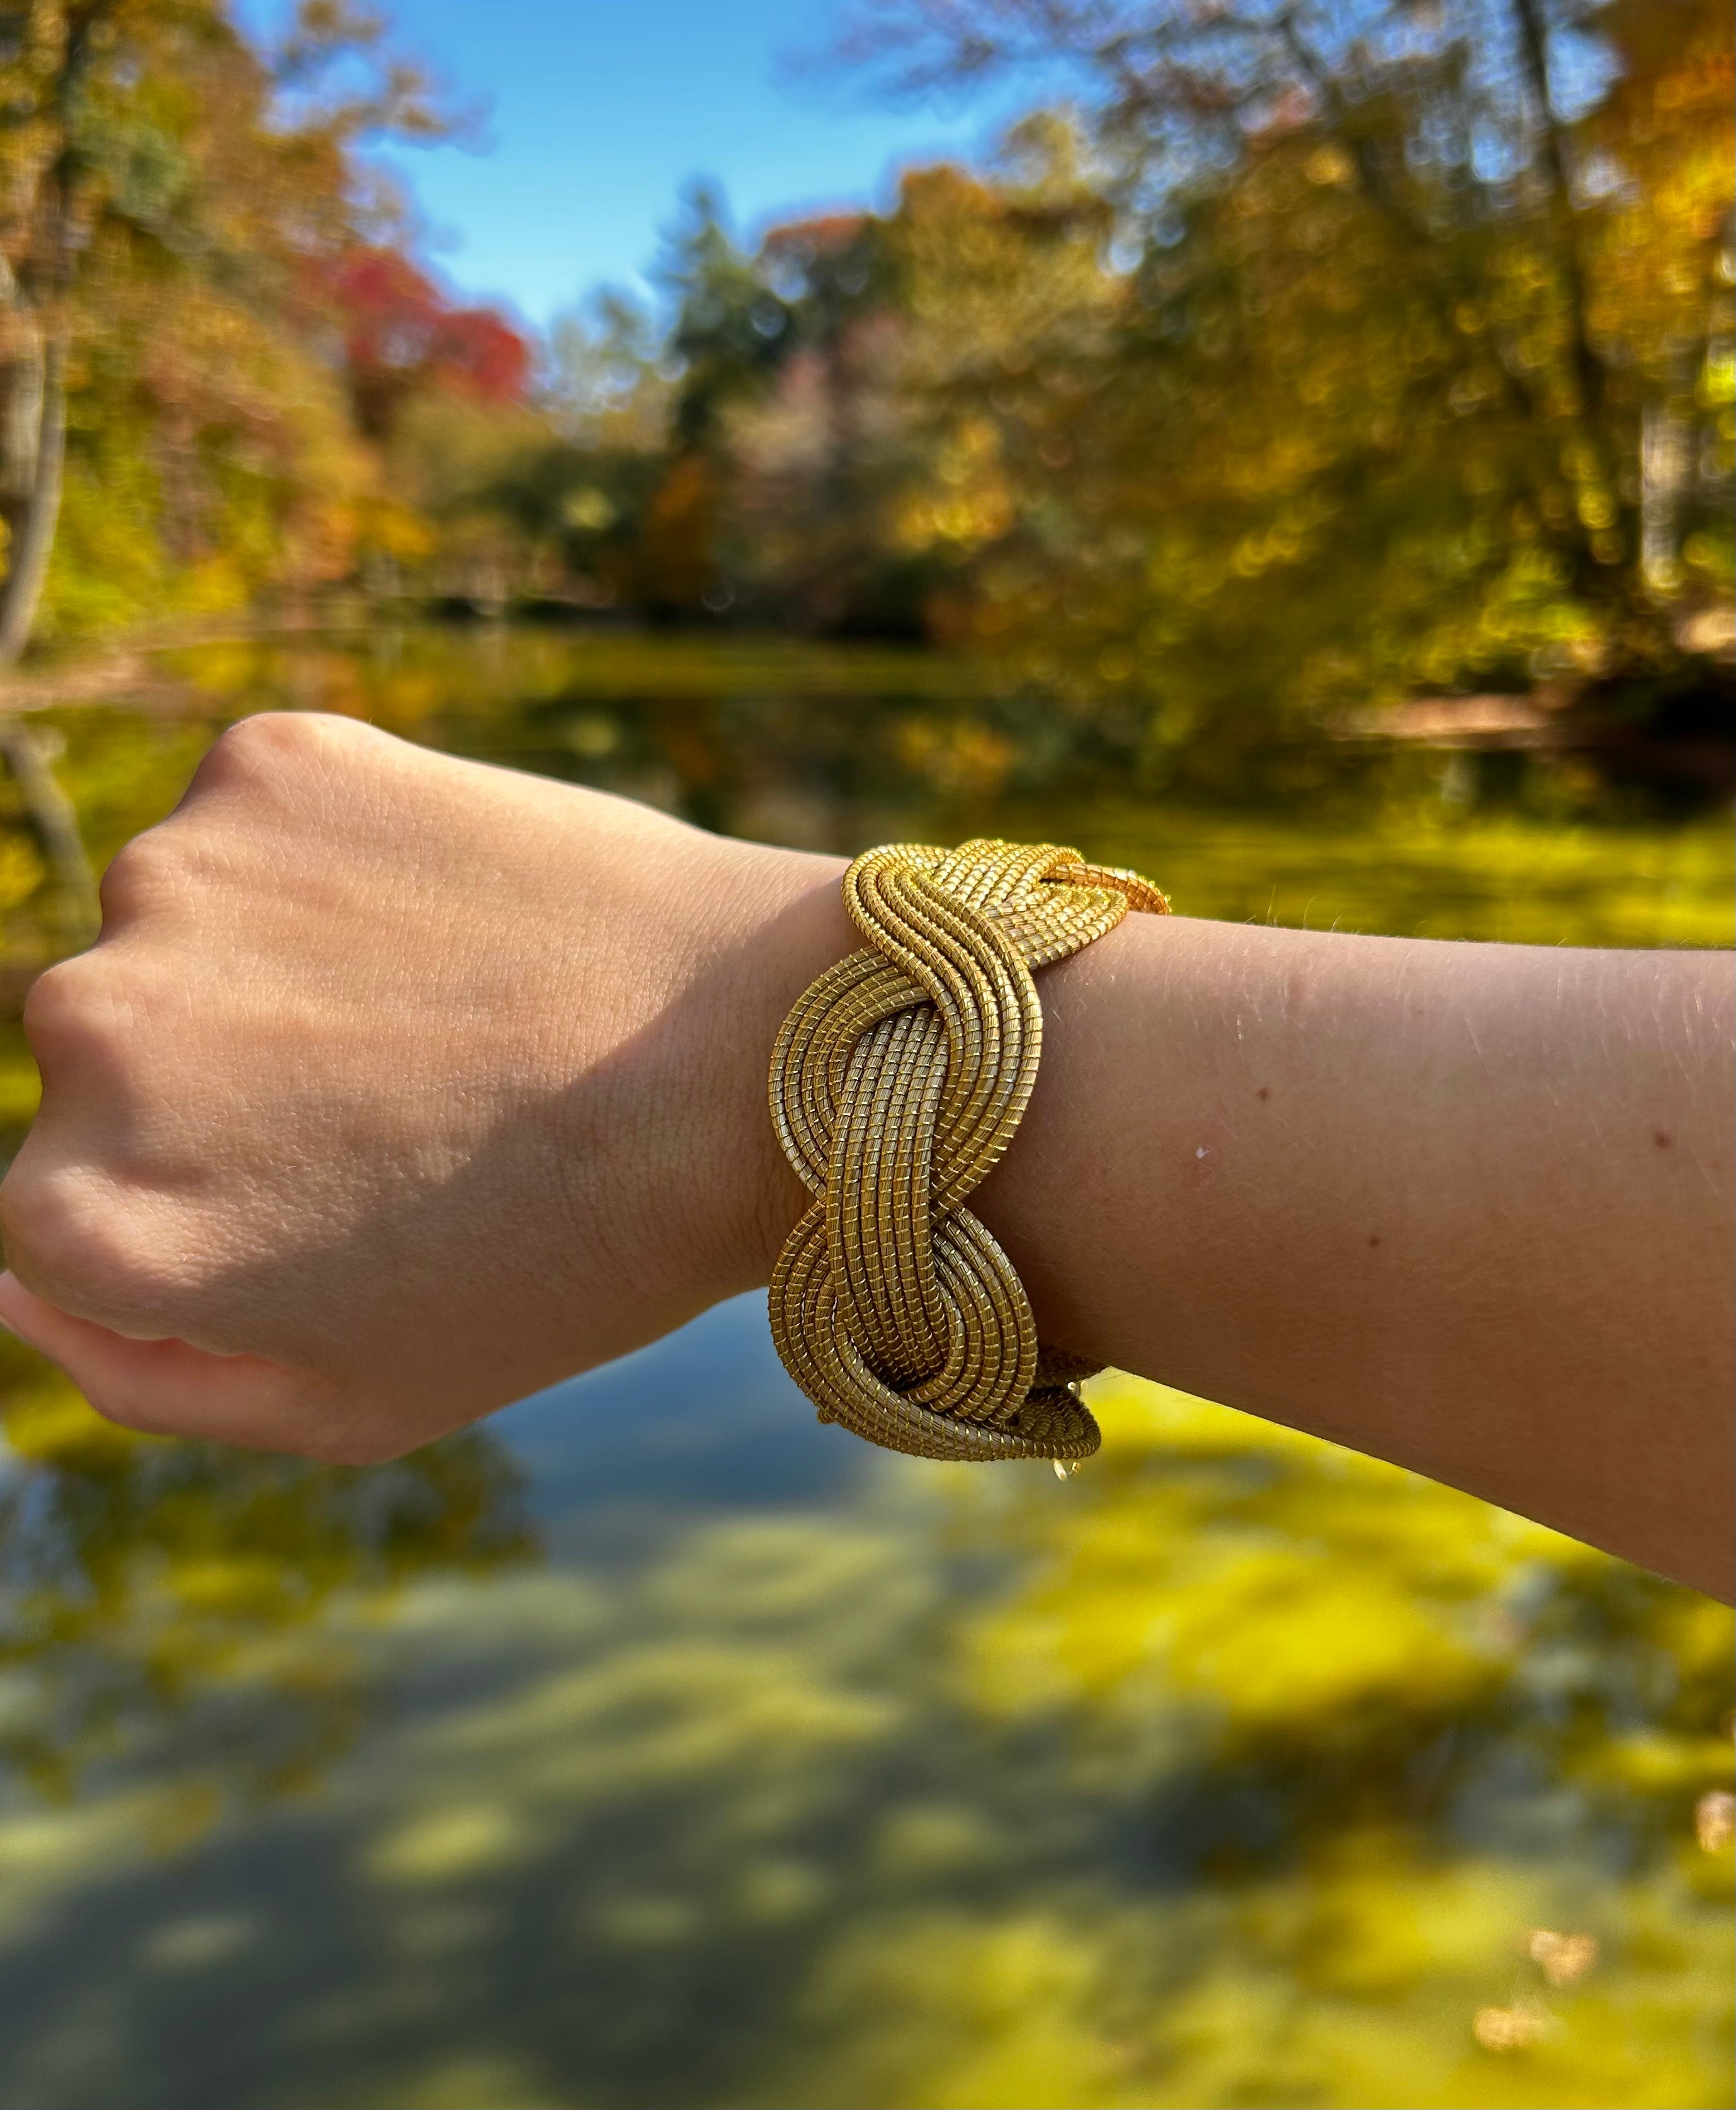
[398, 1087]
[1466, 1208]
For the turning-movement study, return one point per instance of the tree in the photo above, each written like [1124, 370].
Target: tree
[856, 450]
[150, 143]
[1425, 376]
[404, 337]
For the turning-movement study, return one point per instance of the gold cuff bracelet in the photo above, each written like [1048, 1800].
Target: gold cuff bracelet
[898, 1081]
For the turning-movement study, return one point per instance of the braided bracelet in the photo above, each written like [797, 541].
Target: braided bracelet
[898, 1081]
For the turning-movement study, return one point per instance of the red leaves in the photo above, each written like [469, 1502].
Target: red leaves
[402, 336]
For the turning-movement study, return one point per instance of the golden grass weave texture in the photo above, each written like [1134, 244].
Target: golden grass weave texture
[898, 1081]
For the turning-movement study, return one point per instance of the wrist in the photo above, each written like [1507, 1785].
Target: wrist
[775, 921]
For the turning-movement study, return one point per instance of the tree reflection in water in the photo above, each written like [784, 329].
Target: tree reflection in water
[1238, 1771]
[1376, 1745]
[169, 1605]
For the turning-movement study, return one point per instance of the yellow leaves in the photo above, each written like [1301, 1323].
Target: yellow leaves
[391, 527]
[1280, 364]
[1257, 553]
[966, 519]
[1238, 1601]
[1581, 463]
[22, 872]
[216, 584]
[968, 501]
[981, 280]
[967, 760]
[1329, 163]
[1597, 509]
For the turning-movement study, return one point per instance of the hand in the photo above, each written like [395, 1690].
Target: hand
[397, 1087]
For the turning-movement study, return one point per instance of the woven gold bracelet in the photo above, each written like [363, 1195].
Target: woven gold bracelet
[897, 1082]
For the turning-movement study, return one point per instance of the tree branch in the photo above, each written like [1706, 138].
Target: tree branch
[1588, 366]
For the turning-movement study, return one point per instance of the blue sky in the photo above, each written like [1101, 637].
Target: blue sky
[600, 109]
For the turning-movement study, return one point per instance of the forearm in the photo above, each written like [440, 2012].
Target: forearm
[398, 1087]
[1466, 1208]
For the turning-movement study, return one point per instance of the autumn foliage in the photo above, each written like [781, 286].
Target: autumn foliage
[1318, 360]
[403, 337]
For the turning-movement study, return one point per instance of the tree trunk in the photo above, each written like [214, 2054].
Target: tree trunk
[1588, 365]
[32, 512]
[29, 753]
[35, 460]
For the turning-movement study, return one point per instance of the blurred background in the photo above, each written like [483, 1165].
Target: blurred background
[1287, 448]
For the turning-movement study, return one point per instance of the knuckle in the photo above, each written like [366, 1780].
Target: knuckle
[266, 741]
[63, 1005]
[148, 873]
[70, 1240]
[51, 1229]
[92, 1013]
[270, 750]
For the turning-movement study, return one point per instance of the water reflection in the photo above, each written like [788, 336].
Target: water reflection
[829, 747]
[653, 1745]
[165, 1607]
[1237, 1770]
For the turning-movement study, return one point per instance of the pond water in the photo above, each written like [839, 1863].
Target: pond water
[651, 1745]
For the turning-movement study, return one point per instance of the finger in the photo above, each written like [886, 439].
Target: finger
[170, 1388]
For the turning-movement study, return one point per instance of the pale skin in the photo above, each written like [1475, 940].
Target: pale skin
[398, 1087]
